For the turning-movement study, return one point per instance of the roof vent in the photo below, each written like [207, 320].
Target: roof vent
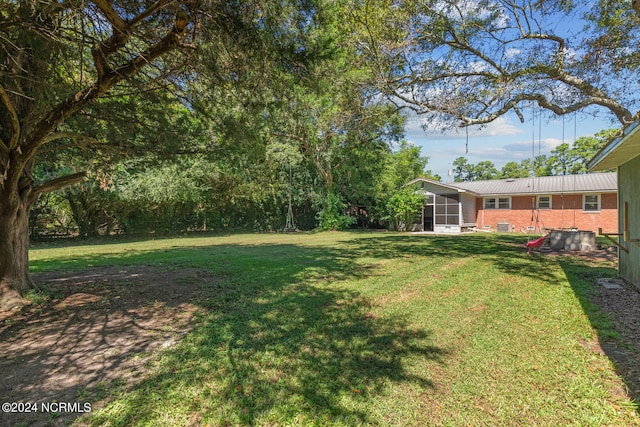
[510, 180]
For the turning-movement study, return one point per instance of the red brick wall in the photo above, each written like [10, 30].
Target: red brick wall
[566, 212]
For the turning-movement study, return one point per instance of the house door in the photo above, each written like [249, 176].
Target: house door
[428, 218]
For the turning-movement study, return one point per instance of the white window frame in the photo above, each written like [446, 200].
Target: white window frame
[598, 201]
[496, 202]
[550, 201]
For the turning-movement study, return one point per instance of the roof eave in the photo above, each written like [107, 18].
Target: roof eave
[619, 151]
[438, 183]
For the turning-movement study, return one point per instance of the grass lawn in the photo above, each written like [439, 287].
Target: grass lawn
[369, 329]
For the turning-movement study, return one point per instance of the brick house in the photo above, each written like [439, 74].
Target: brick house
[584, 202]
[623, 154]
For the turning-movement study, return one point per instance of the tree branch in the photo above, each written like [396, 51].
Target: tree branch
[15, 122]
[70, 135]
[119, 25]
[40, 132]
[76, 137]
[121, 32]
[160, 4]
[542, 101]
[57, 183]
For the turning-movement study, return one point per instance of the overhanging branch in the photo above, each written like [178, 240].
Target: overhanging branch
[57, 183]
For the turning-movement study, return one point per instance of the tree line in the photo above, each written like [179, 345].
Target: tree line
[238, 192]
[565, 159]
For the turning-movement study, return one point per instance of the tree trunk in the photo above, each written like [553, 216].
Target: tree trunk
[14, 251]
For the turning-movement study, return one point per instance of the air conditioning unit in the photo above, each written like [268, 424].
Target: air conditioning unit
[504, 227]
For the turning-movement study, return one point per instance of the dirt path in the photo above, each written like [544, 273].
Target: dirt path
[98, 328]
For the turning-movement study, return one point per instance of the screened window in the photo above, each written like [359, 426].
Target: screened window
[591, 202]
[497, 202]
[544, 202]
[447, 209]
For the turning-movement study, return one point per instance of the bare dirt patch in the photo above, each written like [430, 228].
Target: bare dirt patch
[620, 301]
[97, 327]
[622, 305]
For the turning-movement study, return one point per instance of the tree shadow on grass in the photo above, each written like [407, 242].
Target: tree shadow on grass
[84, 332]
[614, 314]
[324, 350]
[282, 346]
[277, 341]
[507, 252]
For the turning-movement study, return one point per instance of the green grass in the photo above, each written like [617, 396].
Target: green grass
[370, 329]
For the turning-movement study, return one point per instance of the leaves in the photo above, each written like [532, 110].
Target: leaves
[462, 63]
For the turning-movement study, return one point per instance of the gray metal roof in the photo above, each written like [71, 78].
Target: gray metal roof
[567, 184]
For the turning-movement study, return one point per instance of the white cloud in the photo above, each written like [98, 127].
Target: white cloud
[512, 52]
[544, 146]
[502, 126]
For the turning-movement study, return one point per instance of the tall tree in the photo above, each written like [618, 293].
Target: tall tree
[514, 169]
[485, 170]
[330, 111]
[405, 164]
[462, 170]
[560, 160]
[586, 147]
[57, 58]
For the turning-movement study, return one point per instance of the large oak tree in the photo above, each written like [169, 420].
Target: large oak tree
[58, 58]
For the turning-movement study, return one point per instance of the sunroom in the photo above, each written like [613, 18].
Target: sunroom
[447, 209]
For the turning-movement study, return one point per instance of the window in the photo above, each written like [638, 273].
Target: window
[497, 202]
[504, 203]
[447, 209]
[591, 203]
[544, 202]
[489, 203]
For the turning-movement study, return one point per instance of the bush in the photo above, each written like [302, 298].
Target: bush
[402, 207]
[331, 216]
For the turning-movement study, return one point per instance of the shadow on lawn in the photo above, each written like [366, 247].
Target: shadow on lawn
[278, 342]
[615, 316]
[506, 252]
[84, 335]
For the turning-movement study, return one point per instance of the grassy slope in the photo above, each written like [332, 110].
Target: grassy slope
[359, 328]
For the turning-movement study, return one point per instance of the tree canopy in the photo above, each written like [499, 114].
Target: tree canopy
[462, 62]
[77, 76]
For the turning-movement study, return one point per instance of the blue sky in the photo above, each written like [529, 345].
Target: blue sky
[504, 140]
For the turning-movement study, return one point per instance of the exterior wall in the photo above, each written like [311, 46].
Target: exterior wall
[628, 182]
[469, 209]
[566, 212]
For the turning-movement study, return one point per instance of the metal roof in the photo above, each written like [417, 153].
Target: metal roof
[431, 182]
[567, 184]
[619, 151]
